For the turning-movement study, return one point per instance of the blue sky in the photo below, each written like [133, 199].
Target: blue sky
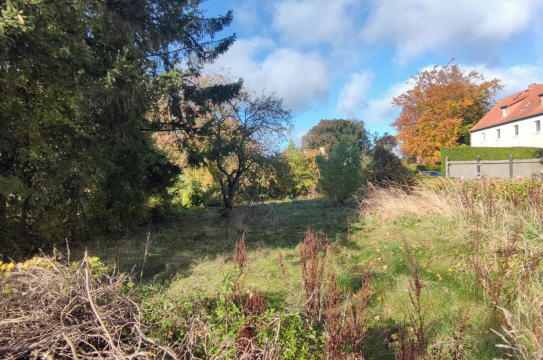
[348, 58]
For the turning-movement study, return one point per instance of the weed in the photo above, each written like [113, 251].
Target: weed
[335, 342]
[312, 253]
[412, 338]
[356, 319]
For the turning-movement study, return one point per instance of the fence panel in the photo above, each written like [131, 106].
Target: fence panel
[524, 168]
[495, 169]
[466, 169]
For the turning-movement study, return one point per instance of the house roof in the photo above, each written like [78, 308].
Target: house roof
[521, 105]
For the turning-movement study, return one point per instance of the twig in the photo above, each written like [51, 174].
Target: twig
[67, 250]
[95, 311]
[71, 345]
[147, 243]
[154, 343]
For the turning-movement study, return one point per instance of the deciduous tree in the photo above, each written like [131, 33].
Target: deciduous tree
[329, 133]
[440, 109]
[231, 136]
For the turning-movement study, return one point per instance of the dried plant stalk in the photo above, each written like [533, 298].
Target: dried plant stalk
[71, 311]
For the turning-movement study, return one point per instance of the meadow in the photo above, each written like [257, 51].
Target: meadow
[441, 270]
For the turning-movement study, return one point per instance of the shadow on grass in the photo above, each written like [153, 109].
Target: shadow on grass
[203, 234]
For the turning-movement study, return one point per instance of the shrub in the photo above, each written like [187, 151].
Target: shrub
[385, 167]
[303, 172]
[458, 153]
[195, 188]
[341, 172]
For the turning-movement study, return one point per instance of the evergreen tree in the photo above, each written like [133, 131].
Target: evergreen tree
[78, 81]
[341, 172]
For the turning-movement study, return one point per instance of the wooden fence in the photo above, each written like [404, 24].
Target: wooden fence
[512, 168]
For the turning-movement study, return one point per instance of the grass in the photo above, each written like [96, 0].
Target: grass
[192, 255]
[449, 294]
[195, 248]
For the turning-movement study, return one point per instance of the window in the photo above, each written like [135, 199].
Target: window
[538, 126]
[498, 134]
[516, 130]
[483, 137]
[505, 112]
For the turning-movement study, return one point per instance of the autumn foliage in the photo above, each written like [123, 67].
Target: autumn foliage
[439, 111]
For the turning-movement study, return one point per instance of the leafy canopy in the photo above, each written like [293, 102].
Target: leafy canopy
[329, 133]
[79, 82]
[233, 135]
[440, 109]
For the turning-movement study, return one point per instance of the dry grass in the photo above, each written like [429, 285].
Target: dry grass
[499, 226]
[480, 202]
[393, 202]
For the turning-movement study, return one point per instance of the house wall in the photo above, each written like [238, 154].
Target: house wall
[527, 134]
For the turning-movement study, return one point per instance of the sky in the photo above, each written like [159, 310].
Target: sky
[347, 59]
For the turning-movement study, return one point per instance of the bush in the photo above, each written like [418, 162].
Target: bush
[195, 188]
[458, 153]
[341, 172]
[295, 172]
[385, 167]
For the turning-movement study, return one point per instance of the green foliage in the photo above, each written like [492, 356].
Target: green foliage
[235, 137]
[459, 153]
[195, 188]
[431, 167]
[78, 82]
[218, 323]
[329, 133]
[341, 172]
[296, 172]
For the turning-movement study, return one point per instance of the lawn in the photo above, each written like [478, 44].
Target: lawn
[191, 255]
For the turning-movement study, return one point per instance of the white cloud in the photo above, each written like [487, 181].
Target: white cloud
[313, 21]
[246, 14]
[514, 79]
[477, 27]
[380, 110]
[352, 96]
[300, 78]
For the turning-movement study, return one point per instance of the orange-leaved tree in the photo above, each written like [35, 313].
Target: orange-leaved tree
[440, 109]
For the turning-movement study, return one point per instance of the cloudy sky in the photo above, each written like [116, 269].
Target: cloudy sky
[348, 58]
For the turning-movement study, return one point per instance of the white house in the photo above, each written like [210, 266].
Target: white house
[515, 121]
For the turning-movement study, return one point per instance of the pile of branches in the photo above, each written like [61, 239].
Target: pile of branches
[71, 311]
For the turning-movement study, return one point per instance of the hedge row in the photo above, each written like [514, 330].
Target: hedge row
[466, 153]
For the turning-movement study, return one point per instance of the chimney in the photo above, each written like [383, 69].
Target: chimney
[531, 86]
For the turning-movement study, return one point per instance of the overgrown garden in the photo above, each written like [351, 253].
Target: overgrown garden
[149, 209]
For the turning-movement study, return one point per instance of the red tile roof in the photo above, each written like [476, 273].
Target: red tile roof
[521, 105]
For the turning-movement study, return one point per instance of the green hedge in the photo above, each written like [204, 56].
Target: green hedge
[459, 153]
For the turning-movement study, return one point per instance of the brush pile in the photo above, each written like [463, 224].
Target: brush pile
[50, 310]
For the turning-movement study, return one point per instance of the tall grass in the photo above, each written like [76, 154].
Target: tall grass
[500, 223]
